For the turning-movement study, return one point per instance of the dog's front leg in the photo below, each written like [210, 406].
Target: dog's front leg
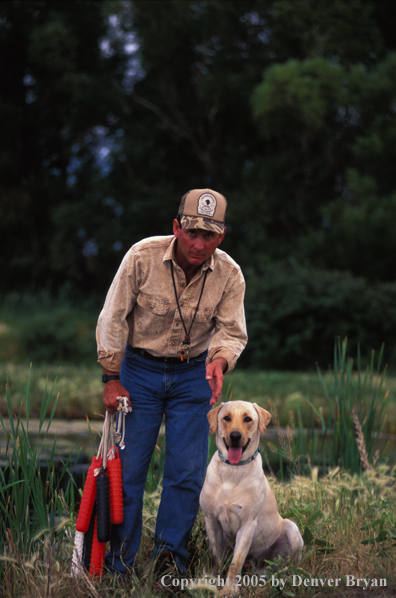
[216, 541]
[243, 542]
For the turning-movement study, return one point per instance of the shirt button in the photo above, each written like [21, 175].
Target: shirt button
[150, 306]
[172, 343]
[181, 284]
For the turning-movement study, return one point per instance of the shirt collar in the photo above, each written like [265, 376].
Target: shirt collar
[170, 254]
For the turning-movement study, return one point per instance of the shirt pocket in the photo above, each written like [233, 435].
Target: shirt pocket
[204, 315]
[203, 324]
[151, 316]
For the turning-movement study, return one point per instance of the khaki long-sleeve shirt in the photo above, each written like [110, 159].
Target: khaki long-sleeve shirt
[141, 309]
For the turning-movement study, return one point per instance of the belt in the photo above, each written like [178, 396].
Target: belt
[175, 360]
[147, 355]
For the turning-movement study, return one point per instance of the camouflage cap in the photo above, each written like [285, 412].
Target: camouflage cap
[203, 208]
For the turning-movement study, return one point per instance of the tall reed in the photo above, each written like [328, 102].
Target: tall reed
[348, 435]
[346, 395]
[32, 502]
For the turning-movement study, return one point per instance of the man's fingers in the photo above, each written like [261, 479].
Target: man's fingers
[112, 390]
[216, 384]
[219, 386]
[110, 407]
[215, 376]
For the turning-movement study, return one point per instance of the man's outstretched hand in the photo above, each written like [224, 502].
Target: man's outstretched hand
[215, 375]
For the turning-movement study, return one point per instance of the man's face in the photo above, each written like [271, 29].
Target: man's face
[195, 245]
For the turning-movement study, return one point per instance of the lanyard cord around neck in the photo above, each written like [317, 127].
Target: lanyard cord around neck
[187, 337]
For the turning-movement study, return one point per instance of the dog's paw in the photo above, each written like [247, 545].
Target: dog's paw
[230, 591]
[232, 585]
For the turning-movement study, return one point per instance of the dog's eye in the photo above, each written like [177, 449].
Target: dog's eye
[247, 419]
[227, 418]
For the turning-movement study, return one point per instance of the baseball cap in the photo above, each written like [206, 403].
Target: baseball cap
[203, 208]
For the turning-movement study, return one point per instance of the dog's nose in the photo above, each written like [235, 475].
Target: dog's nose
[235, 437]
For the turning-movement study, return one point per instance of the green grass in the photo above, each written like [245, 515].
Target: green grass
[80, 389]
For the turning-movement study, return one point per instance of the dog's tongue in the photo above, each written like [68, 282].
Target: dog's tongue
[234, 454]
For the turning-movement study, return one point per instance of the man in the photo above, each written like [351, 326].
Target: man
[176, 304]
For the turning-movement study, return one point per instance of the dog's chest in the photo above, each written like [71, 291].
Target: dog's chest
[231, 508]
[230, 518]
[233, 495]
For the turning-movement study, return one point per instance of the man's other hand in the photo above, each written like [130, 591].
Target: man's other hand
[215, 375]
[112, 390]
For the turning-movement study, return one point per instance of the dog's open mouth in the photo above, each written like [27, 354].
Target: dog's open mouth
[235, 452]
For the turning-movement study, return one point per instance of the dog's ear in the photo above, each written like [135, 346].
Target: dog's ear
[264, 417]
[212, 417]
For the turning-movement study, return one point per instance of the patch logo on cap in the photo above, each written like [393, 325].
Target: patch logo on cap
[207, 205]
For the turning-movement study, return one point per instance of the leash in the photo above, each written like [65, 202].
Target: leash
[186, 344]
[240, 462]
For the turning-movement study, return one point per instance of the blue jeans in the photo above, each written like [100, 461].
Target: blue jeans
[181, 392]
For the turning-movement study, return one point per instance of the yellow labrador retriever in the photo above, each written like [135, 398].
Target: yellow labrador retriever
[238, 503]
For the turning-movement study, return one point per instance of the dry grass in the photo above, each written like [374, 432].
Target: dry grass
[347, 503]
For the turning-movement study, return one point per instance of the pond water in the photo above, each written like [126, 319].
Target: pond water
[82, 440]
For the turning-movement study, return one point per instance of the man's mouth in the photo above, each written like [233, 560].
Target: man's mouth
[235, 452]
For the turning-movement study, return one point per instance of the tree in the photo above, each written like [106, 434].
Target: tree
[113, 110]
[332, 131]
[53, 73]
[279, 157]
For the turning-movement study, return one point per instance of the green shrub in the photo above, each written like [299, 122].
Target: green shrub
[62, 334]
[40, 328]
[294, 314]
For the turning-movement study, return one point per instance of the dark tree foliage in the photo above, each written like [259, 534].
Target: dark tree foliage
[56, 86]
[262, 101]
[111, 111]
[189, 122]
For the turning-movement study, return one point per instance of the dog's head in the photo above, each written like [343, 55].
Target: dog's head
[238, 425]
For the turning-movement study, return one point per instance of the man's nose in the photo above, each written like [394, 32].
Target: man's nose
[199, 244]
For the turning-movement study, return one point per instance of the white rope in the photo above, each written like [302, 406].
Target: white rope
[123, 410]
[77, 558]
[104, 443]
[108, 430]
